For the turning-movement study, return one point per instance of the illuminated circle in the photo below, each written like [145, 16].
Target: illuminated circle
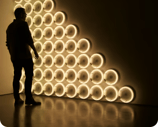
[126, 94]
[59, 75]
[48, 33]
[83, 45]
[48, 47]
[48, 75]
[37, 34]
[38, 62]
[96, 60]
[83, 76]
[111, 77]
[48, 19]
[29, 21]
[28, 8]
[48, 61]
[59, 46]
[38, 46]
[71, 90]
[17, 6]
[59, 18]
[83, 91]
[27, 0]
[38, 20]
[37, 7]
[21, 87]
[96, 76]
[96, 92]
[59, 61]
[37, 88]
[71, 75]
[70, 60]
[83, 61]
[48, 89]
[18, 1]
[48, 5]
[70, 46]
[111, 93]
[38, 74]
[59, 32]
[59, 89]
[71, 31]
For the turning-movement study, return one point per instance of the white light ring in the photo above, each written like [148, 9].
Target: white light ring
[34, 20]
[78, 75]
[27, 0]
[91, 76]
[67, 88]
[45, 62]
[56, 44]
[106, 74]
[79, 58]
[58, 14]
[36, 43]
[34, 87]
[80, 42]
[55, 73]
[18, 1]
[101, 59]
[129, 90]
[48, 84]
[55, 89]
[106, 90]
[45, 76]
[37, 60]
[44, 4]
[66, 60]
[44, 18]
[56, 32]
[44, 33]
[37, 2]
[40, 31]
[21, 88]
[73, 27]
[66, 75]
[67, 44]
[55, 62]
[79, 90]
[38, 69]
[17, 6]
[45, 46]
[31, 22]
[31, 8]
[93, 88]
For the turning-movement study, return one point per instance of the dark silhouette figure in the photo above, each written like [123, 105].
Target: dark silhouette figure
[18, 41]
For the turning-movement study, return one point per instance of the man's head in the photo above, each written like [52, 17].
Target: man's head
[20, 13]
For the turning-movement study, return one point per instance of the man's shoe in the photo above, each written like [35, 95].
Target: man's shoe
[18, 102]
[32, 102]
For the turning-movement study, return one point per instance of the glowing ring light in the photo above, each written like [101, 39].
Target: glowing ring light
[59, 18]
[29, 21]
[59, 46]
[48, 5]
[111, 77]
[38, 20]
[48, 47]
[48, 61]
[70, 46]
[83, 45]
[71, 75]
[96, 76]
[48, 75]
[48, 19]
[48, 89]
[83, 76]
[59, 61]
[37, 34]
[59, 75]
[27, 0]
[71, 31]
[96, 60]
[71, 90]
[59, 89]
[31, 33]
[126, 94]
[48, 33]
[37, 7]
[38, 46]
[18, 1]
[83, 91]
[28, 8]
[37, 88]
[38, 62]
[111, 93]
[83, 61]
[70, 60]
[38, 74]
[18, 6]
[21, 88]
[96, 92]
[59, 32]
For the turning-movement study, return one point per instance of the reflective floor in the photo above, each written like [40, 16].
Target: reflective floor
[64, 112]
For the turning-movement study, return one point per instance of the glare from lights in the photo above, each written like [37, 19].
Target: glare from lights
[83, 45]
[48, 5]
[70, 46]
[48, 33]
[96, 92]
[59, 89]
[96, 76]
[48, 47]
[83, 61]
[38, 20]
[17, 6]
[37, 88]
[21, 88]
[48, 19]
[48, 75]
[38, 46]
[59, 61]
[37, 7]
[83, 91]
[59, 75]
[38, 62]
[59, 18]
[71, 90]
[111, 93]
[28, 8]
[29, 21]
[71, 60]
[96, 60]
[59, 32]
[48, 61]
[38, 74]
[48, 89]
[37, 34]
[71, 75]
[59, 46]
[71, 31]
[83, 76]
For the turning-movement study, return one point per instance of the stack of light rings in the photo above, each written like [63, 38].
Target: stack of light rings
[59, 75]
[83, 76]
[83, 91]
[71, 75]
[71, 61]
[48, 61]
[48, 89]
[48, 47]
[111, 93]
[94, 76]
[48, 75]
[96, 61]
[38, 74]
[83, 61]
[70, 46]
[59, 89]
[71, 90]
[96, 92]
[37, 88]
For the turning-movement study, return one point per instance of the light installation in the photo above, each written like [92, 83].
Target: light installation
[65, 59]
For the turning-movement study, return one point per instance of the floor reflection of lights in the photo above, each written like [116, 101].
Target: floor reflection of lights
[83, 110]
[71, 108]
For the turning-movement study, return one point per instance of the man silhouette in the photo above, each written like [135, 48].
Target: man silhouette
[18, 41]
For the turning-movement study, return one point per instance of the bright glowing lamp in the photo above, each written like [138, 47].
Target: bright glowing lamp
[71, 90]
[83, 91]
[71, 31]
[48, 89]
[37, 88]
[37, 34]
[48, 5]
[96, 60]
[48, 19]
[111, 93]
[48, 75]
[83, 45]
[96, 76]
[29, 21]
[28, 8]
[96, 92]
[59, 32]
[37, 7]
[38, 46]
[59, 61]
[83, 76]
[59, 46]
[48, 61]
[59, 18]
[38, 20]
[59, 75]
[83, 61]
[59, 89]
[21, 88]
[48, 33]
[38, 74]
[70, 60]
[38, 62]
[70, 46]
[71, 75]
[48, 47]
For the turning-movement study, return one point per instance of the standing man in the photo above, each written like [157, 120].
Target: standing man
[18, 41]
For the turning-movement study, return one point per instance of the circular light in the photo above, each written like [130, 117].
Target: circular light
[83, 76]
[48, 61]
[59, 89]
[38, 62]
[48, 75]
[27, 0]
[83, 91]
[96, 60]
[38, 46]
[59, 75]
[59, 18]
[17, 1]
[70, 60]
[48, 33]
[21, 88]
[71, 31]
[126, 94]
[71, 91]
[83, 61]
[70, 46]
[71, 75]
[48, 89]
[48, 5]
[37, 7]
[96, 76]
[17, 6]
[38, 74]
[28, 8]
[38, 20]
[48, 47]
[110, 93]
[83, 45]
[59, 32]
[29, 21]
[59, 46]
[37, 34]
[48, 19]
[59, 61]
[111, 77]
[96, 92]
[37, 88]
